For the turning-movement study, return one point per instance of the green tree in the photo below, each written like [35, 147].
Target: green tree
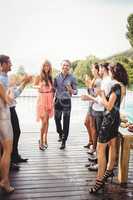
[74, 64]
[84, 67]
[54, 72]
[130, 29]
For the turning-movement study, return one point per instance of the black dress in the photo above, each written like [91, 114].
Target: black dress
[111, 119]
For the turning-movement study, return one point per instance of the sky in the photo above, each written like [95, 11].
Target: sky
[34, 30]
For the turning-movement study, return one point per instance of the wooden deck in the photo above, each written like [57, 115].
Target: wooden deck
[59, 174]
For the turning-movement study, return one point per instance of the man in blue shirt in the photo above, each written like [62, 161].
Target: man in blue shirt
[65, 86]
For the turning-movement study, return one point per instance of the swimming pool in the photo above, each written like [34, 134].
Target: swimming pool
[127, 108]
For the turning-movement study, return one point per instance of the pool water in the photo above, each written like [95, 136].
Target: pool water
[128, 108]
[129, 112]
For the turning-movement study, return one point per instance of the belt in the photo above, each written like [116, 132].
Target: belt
[46, 92]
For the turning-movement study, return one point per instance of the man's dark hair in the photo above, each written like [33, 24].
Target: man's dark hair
[4, 59]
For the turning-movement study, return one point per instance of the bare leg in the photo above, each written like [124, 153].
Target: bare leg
[101, 153]
[42, 133]
[87, 124]
[112, 154]
[5, 165]
[93, 132]
[46, 130]
[101, 149]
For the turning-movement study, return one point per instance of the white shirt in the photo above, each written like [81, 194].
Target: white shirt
[98, 106]
[106, 85]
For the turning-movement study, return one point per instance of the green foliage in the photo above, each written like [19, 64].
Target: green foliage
[83, 67]
[54, 72]
[80, 84]
[74, 64]
[130, 29]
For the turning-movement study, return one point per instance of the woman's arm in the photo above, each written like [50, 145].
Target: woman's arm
[110, 103]
[89, 82]
[102, 100]
[88, 98]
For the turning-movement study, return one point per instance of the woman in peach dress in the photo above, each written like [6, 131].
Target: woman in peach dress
[45, 108]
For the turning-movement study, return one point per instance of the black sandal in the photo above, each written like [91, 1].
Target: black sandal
[108, 173]
[98, 186]
[88, 145]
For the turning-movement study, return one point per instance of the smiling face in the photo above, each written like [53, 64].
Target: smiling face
[46, 67]
[94, 71]
[65, 67]
[6, 66]
[101, 71]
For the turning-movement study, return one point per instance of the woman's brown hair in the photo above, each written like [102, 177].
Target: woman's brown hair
[119, 73]
[46, 76]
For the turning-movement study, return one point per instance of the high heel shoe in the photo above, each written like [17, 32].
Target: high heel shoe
[88, 145]
[45, 146]
[108, 174]
[7, 190]
[41, 147]
[98, 186]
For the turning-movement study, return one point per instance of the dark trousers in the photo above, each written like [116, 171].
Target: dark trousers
[62, 107]
[16, 132]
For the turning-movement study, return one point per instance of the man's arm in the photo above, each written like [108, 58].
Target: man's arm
[2, 93]
[21, 87]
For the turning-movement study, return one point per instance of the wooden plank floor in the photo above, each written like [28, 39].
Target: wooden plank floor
[59, 174]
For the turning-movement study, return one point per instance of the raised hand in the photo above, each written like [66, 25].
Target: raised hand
[27, 79]
[69, 89]
[88, 81]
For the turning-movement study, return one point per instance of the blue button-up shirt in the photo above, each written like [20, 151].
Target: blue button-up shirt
[60, 83]
[4, 80]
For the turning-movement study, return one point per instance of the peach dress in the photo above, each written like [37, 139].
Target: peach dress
[45, 101]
